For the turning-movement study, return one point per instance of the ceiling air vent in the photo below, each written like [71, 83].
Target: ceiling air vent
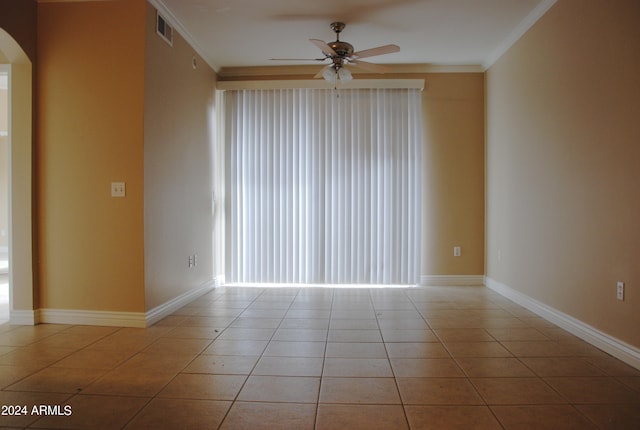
[164, 30]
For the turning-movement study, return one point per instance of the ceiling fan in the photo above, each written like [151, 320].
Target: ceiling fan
[342, 53]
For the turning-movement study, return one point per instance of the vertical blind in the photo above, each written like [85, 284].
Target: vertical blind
[323, 187]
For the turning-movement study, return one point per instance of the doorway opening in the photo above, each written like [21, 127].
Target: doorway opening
[4, 194]
[19, 113]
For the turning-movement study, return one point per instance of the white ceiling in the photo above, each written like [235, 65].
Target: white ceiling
[239, 33]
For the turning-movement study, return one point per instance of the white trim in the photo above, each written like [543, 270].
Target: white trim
[20, 317]
[518, 32]
[451, 280]
[219, 281]
[182, 30]
[107, 318]
[156, 314]
[246, 72]
[100, 318]
[609, 344]
[320, 84]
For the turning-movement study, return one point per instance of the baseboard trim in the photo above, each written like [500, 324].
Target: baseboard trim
[451, 280]
[609, 344]
[219, 281]
[20, 317]
[107, 318]
[100, 318]
[156, 314]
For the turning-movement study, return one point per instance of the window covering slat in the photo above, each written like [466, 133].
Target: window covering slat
[324, 187]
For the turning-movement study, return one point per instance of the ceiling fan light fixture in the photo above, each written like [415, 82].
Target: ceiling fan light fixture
[335, 73]
[330, 75]
[342, 53]
[344, 74]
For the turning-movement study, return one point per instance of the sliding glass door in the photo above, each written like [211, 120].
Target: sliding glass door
[323, 187]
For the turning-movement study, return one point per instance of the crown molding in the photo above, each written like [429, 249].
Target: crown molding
[182, 30]
[518, 32]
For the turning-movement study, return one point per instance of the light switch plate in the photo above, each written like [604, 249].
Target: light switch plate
[118, 189]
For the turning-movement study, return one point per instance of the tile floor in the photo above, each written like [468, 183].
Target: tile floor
[323, 358]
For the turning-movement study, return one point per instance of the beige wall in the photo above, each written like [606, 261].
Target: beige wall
[90, 133]
[179, 133]
[562, 164]
[453, 173]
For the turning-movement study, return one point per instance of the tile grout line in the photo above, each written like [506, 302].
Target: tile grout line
[393, 373]
[250, 373]
[324, 360]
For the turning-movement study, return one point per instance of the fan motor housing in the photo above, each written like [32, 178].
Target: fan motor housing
[343, 49]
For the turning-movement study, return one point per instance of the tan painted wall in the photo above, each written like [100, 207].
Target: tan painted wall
[453, 197]
[453, 174]
[90, 133]
[179, 132]
[562, 164]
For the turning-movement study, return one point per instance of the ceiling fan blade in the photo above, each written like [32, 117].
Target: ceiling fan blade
[319, 74]
[385, 49]
[376, 68]
[323, 47]
[297, 59]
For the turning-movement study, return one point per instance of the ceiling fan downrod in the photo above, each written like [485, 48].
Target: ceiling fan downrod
[337, 27]
[343, 49]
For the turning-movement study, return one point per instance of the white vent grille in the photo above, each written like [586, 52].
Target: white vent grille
[164, 30]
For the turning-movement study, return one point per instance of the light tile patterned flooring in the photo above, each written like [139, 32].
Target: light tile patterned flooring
[323, 358]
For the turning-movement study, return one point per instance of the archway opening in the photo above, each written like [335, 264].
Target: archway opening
[19, 137]
[4, 194]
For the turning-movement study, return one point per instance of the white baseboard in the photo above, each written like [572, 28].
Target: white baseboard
[156, 314]
[219, 280]
[617, 348]
[451, 280]
[114, 319]
[101, 318]
[23, 317]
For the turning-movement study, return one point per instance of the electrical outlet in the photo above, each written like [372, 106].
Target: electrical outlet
[620, 291]
[192, 261]
[456, 251]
